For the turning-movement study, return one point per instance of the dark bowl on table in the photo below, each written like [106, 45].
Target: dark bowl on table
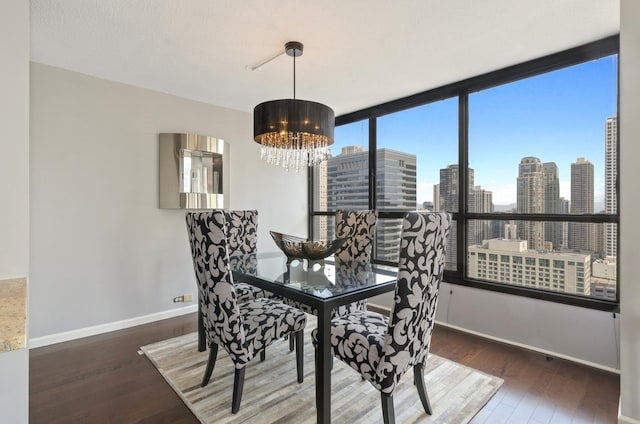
[300, 248]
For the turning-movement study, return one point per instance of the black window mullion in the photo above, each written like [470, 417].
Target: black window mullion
[373, 143]
[310, 206]
[463, 181]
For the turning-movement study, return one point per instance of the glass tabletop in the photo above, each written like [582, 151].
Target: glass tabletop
[323, 278]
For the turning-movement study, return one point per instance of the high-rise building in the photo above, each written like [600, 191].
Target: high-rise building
[581, 236]
[396, 183]
[610, 183]
[480, 200]
[599, 239]
[396, 190]
[449, 187]
[448, 202]
[565, 207]
[552, 230]
[530, 199]
[347, 179]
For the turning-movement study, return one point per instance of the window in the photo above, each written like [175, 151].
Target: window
[342, 182]
[537, 192]
[544, 145]
[413, 147]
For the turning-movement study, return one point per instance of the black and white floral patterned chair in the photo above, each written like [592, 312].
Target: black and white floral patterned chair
[382, 349]
[242, 329]
[242, 239]
[360, 228]
[241, 229]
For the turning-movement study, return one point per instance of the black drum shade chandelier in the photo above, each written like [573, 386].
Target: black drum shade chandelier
[293, 133]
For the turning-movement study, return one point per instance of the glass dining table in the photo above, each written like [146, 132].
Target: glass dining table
[321, 286]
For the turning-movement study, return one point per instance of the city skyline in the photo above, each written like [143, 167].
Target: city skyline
[565, 257]
[557, 117]
[571, 257]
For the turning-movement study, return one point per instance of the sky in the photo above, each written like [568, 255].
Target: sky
[557, 117]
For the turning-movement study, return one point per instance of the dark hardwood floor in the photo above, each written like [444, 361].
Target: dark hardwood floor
[102, 379]
[537, 389]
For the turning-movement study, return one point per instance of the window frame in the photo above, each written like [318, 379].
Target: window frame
[591, 51]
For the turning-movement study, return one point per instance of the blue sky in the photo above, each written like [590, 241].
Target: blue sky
[557, 117]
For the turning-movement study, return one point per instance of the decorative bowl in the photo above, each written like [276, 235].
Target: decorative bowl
[299, 248]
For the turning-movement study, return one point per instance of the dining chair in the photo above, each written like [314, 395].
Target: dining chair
[383, 348]
[359, 227]
[241, 229]
[242, 329]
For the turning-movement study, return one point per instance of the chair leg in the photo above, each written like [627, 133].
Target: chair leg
[263, 355]
[299, 335]
[387, 409]
[213, 354]
[238, 385]
[418, 380]
[291, 342]
[202, 337]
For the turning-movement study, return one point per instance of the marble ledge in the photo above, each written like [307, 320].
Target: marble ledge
[13, 314]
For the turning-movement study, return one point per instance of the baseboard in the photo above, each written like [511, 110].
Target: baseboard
[622, 419]
[532, 348]
[106, 328]
[626, 420]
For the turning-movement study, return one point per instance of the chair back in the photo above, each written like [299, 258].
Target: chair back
[218, 302]
[242, 231]
[421, 264]
[360, 228]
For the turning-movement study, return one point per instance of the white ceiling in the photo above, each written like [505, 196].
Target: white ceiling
[358, 53]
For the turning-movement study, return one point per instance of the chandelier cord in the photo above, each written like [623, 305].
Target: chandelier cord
[294, 74]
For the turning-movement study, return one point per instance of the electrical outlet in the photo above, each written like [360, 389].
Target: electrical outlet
[178, 299]
[187, 297]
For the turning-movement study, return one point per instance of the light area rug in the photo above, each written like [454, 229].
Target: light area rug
[272, 395]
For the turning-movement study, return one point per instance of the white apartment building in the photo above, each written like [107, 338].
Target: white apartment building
[610, 183]
[604, 274]
[511, 262]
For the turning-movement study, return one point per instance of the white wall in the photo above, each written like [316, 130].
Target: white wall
[551, 328]
[14, 189]
[629, 207]
[101, 249]
[14, 139]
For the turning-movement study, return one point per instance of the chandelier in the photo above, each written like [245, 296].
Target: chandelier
[293, 133]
